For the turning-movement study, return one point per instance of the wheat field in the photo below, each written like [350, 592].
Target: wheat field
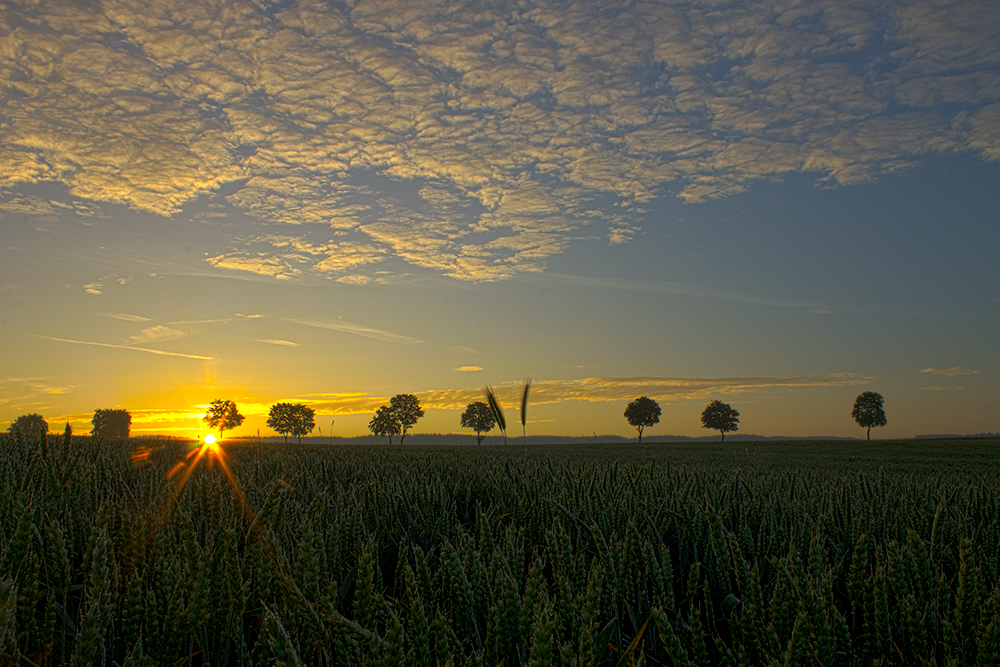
[129, 553]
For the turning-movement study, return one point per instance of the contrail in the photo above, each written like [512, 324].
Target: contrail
[126, 347]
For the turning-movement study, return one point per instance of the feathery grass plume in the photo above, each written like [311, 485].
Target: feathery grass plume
[491, 400]
[524, 411]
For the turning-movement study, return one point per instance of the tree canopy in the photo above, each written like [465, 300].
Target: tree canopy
[32, 425]
[721, 417]
[642, 412]
[868, 411]
[295, 419]
[406, 408]
[479, 418]
[111, 424]
[223, 415]
[385, 423]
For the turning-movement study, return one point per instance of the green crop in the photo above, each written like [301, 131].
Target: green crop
[788, 554]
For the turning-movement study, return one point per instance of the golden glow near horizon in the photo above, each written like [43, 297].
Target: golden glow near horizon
[777, 206]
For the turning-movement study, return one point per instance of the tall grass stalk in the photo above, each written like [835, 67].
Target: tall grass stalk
[524, 413]
[491, 400]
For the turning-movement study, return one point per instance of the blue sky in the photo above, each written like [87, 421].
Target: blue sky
[777, 205]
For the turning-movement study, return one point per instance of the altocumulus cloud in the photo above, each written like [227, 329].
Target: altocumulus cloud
[511, 125]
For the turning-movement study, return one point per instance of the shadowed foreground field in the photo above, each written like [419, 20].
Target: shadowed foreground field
[787, 553]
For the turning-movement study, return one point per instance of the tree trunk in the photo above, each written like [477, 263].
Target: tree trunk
[869, 436]
[723, 434]
[639, 428]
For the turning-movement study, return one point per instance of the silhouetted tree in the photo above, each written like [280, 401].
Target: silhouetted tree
[385, 423]
[32, 425]
[868, 411]
[279, 418]
[406, 408]
[642, 412]
[223, 415]
[292, 418]
[304, 420]
[720, 417]
[111, 424]
[479, 418]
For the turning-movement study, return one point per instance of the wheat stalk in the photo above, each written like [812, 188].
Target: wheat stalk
[524, 412]
[491, 399]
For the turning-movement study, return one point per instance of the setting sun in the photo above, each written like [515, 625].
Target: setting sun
[210, 439]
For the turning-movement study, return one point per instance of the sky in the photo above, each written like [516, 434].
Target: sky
[778, 205]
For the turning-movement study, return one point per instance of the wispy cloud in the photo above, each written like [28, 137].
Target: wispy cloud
[357, 330]
[514, 133]
[469, 369]
[943, 388]
[670, 287]
[155, 334]
[15, 390]
[276, 341]
[220, 320]
[624, 389]
[124, 347]
[126, 317]
[954, 371]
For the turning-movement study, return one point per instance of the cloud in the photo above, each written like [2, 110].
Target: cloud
[598, 390]
[287, 257]
[15, 390]
[125, 347]
[155, 334]
[354, 279]
[475, 140]
[357, 330]
[343, 403]
[98, 286]
[125, 317]
[669, 287]
[236, 317]
[276, 341]
[469, 369]
[29, 205]
[942, 388]
[954, 371]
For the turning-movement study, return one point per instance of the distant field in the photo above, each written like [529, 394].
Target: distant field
[904, 455]
[790, 552]
[910, 456]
